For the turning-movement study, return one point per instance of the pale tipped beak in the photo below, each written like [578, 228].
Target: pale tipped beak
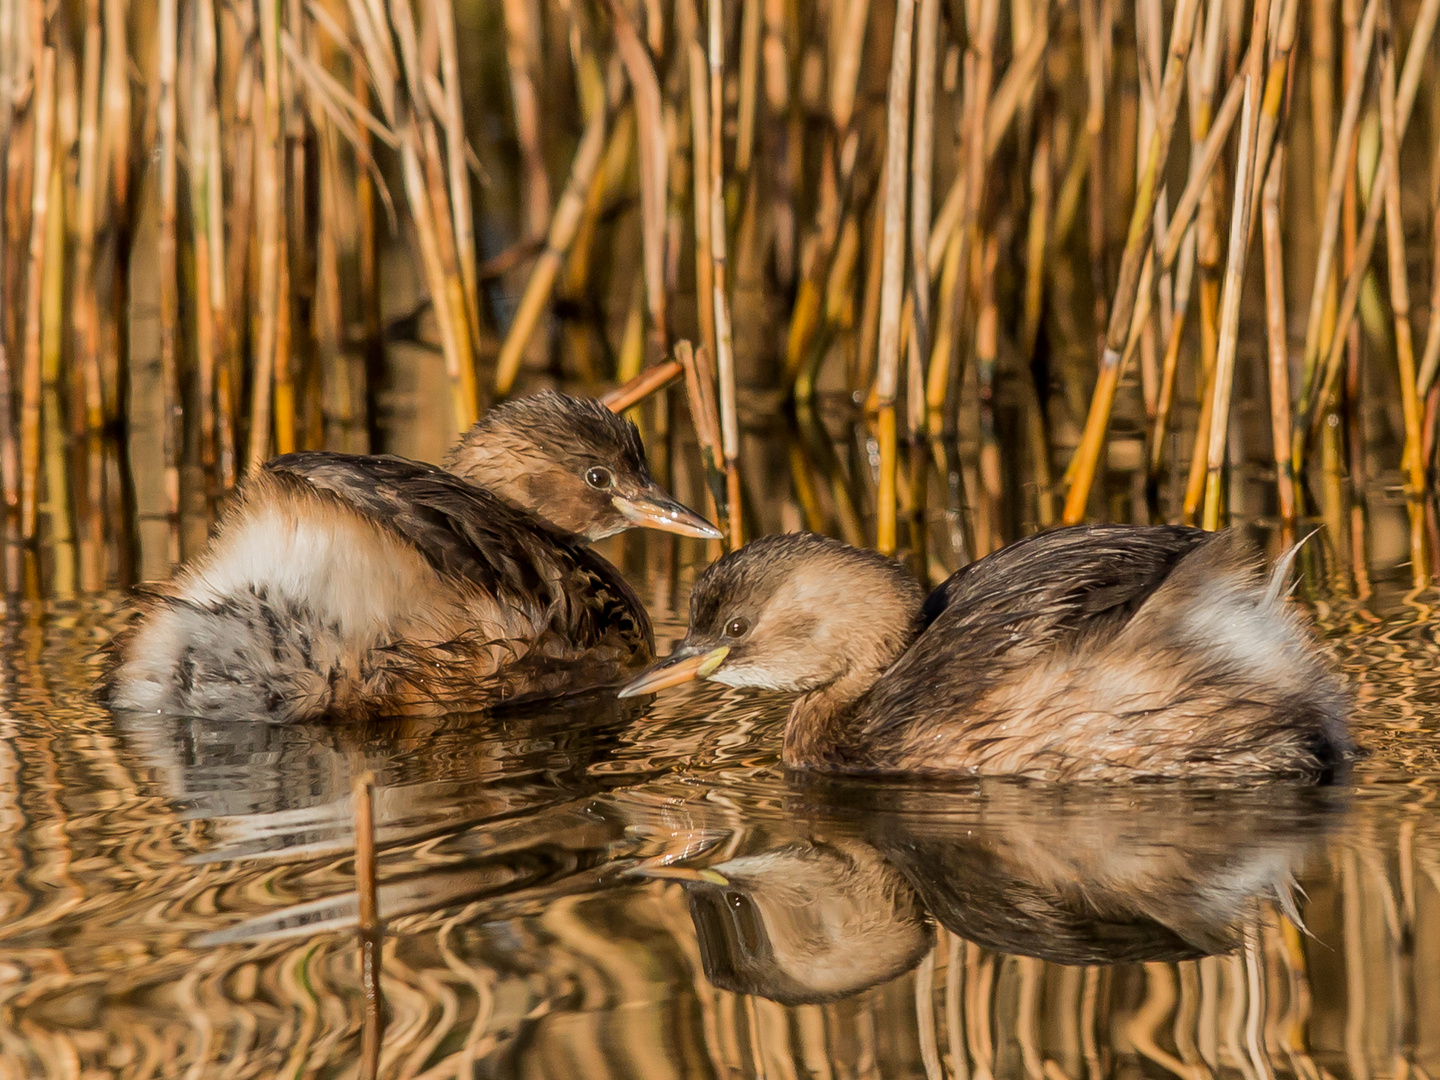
[655, 510]
[681, 666]
[680, 873]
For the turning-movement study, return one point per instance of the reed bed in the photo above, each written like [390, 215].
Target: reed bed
[1024, 227]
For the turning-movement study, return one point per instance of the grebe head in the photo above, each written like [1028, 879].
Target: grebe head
[572, 462]
[796, 612]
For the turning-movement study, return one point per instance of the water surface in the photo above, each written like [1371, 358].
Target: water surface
[604, 888]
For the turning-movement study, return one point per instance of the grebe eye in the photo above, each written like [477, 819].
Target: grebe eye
[737, 628]
[599, 477]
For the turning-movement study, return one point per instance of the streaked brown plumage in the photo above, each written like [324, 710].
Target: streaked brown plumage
[347, 586]
[1094, 652]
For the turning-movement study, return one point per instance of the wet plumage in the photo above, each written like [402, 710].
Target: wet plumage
[346, 586]
[1095, 652]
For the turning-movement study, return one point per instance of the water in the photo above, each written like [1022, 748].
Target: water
[606, 889]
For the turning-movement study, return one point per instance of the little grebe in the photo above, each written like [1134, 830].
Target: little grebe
[348, 586]
[1092, 652]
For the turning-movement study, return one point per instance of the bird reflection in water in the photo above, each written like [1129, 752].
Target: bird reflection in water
[1074, 877]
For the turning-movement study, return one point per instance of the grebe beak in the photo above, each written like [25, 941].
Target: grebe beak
[653, 509]
[681, 666]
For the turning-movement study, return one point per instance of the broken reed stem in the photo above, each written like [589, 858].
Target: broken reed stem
[643, 385]
[897, 126]
[1137, 246]
[584, 171]
[724, 351]
[1276, 333]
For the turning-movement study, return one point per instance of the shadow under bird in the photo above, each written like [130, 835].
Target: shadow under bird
[348, 586]
[1097, 652]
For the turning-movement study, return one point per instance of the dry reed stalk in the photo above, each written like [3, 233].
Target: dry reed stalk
[1037, 238]
[1137, 246]
[86, 310]
[43, 110]
[922, 167]
[864, 374]
[362, 796]
[1364, 246]
[1214, 145]
[897, 128]
[654, 166]
[704, 413]
[1240, 215]
[1019, 80]
[202, 211]
[58, 504]
[749, 85]
[643, 385]
[1275, 326]
[269, 194]
[981, 55]
[453, 121]
[699, 78]
[522, 55]
[851, 17]
[724, 352]
[1411, 461]
[1330, 225]
[987, 352]
[584, 171]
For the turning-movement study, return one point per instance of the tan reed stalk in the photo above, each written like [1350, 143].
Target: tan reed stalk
[700, 141]
[1276, 332]
[1214, 145]
[982, 48]
[749, 85]
[362, 797]
[58, 505]
[368, 258]
[522, 54]
[724, 352]
[584, 170]
[704, 414]
[1019, 80]
[922, 168]
[43, 107]
[1425, 380]
[1037, 237]
[1216, 443]
[864, 373]
[86, 413]
[202, 83]
[453, 121]
[1095, 29]
[654, 166]
[897, 128]
[851, 18]
[269, 196]
[1087, 455]
[643, 385]
[1330, 225]
[1311, 408]
[1411, 463]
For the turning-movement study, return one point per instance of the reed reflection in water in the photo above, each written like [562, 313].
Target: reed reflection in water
[596, 891]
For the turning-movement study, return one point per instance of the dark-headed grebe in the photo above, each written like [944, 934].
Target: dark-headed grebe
[1092, 652]
[350, 586]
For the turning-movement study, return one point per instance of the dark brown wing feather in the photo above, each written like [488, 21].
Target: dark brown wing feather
[471, 534]
[1072, 586]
